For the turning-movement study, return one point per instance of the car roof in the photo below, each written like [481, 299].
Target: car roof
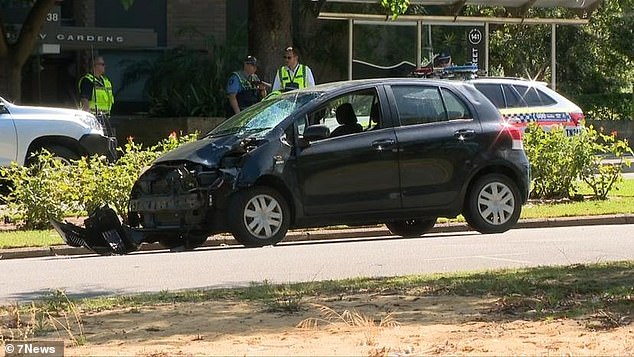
[377, 81]
[509, 80]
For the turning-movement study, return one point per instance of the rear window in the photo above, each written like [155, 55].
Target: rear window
[513, 97]
[545, 98]
[493, 92]
[456, 109]
[529, 95]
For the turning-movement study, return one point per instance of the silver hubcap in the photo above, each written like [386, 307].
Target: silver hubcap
[263, 216]
[496, 203]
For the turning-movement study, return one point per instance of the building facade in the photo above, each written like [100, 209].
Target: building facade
[78, 30]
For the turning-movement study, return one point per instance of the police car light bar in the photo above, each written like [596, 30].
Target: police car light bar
[465, 71]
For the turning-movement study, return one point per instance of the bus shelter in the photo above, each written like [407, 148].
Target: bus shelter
[516, 12]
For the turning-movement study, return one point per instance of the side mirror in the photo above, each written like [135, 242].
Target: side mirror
[313, 133]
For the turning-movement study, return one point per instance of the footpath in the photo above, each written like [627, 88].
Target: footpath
[333, 234]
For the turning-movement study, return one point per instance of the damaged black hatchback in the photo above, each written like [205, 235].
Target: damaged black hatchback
[397, 151]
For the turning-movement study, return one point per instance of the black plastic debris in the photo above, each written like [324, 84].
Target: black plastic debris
[103, 233]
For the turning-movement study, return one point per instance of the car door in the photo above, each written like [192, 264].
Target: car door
[8, 138]
[352, 173]
[438, 143]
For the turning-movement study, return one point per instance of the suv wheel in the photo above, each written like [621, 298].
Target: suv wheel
[493, 204]
[60, 153]
[259, 216]
[411, 227]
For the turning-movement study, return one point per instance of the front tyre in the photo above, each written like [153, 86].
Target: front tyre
[411, 227]
[259, 216]
[493, 204]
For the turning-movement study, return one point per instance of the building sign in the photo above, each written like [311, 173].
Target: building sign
[475, 45]
[86, 37]
[79, 37]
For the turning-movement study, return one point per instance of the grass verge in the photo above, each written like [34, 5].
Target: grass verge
[621, 201]
[600, 295]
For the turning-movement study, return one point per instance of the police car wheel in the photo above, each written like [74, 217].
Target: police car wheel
[258, 217]
[493, 204]
[411, 227]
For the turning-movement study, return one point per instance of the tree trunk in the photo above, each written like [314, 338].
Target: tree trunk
[4, 78]
[270, 32]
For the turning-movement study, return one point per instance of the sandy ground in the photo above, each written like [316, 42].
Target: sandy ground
[359, 325]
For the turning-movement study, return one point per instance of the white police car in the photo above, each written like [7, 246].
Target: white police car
[523, 101]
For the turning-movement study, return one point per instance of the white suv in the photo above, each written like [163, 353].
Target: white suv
[522, 101]
[67, 133]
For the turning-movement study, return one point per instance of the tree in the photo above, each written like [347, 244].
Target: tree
[270, 31]
[13, 55]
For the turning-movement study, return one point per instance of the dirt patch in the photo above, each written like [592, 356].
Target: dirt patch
[384, 326]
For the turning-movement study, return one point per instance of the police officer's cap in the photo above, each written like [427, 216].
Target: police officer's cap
[251, 60]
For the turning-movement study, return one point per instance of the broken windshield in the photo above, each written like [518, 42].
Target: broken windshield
[260, 118]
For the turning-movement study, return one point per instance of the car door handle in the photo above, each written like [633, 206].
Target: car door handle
[383, 144]
[464, 134]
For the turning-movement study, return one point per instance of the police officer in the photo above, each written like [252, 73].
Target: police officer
[244, 88]
[293, 75]
[95, 89]
[442, 60]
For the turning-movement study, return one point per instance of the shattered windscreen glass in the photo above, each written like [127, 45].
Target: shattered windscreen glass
[260, 118]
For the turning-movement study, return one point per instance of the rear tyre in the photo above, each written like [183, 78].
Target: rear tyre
[493, 204]
[259, 216]
[411, 227]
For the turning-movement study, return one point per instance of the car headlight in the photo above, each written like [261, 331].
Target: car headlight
[89, 120]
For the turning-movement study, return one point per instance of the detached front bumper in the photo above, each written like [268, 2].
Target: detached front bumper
[99, 144]
[103, 233]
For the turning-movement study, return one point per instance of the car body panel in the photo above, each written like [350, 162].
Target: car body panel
[340, 175]
[8, 138]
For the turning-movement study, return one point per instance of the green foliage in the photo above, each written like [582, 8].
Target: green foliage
[185, 81]
[394, 8]
[602, 177]
[607, 106]
[40, 191]
[559, 161]
[53, 189]
[555, 161]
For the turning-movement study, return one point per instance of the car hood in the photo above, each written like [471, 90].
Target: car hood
[34, 112]
[207, 151]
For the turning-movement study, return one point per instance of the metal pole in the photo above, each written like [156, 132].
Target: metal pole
[486, 48]
[431, 46]
[419, 44]
[350, 47]
[553, 56]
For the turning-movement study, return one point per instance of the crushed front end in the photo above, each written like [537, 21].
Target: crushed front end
[172, 203]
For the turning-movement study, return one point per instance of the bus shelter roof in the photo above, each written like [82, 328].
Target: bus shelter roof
[517, 11]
